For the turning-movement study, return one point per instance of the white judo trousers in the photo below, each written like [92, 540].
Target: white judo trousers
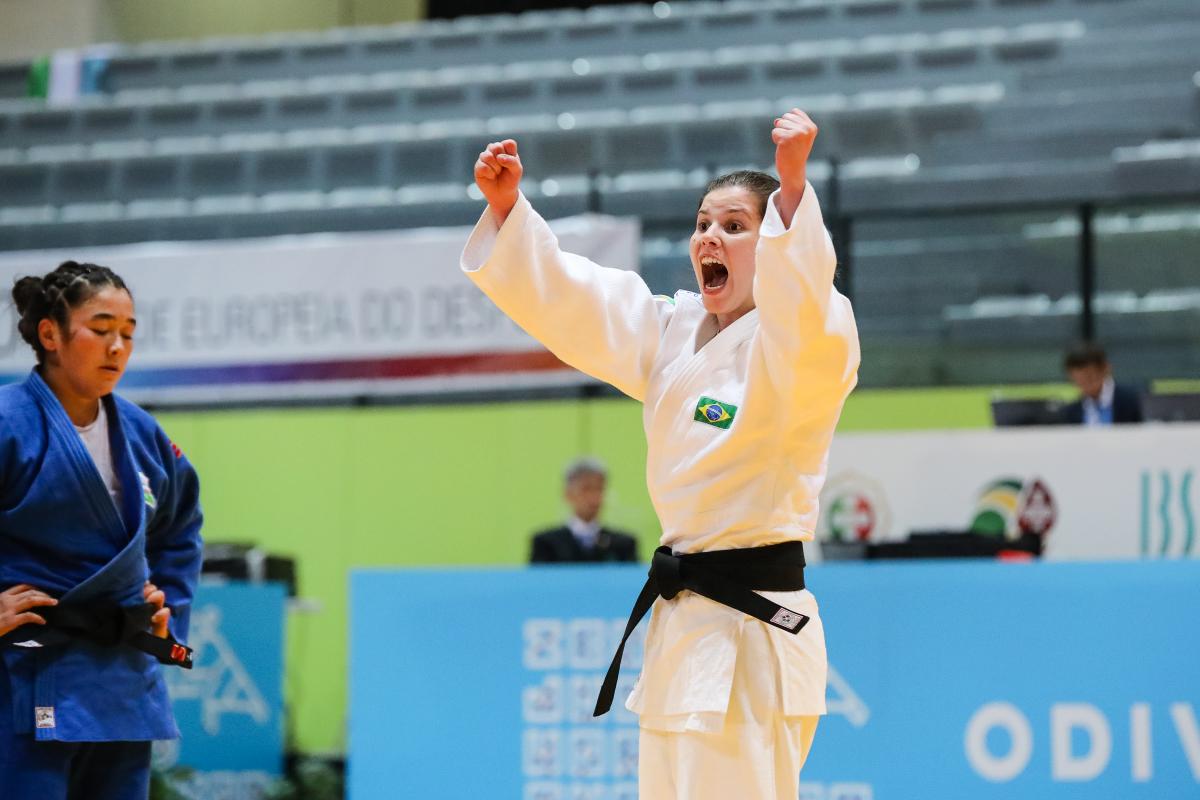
[756, 756]
[727, 705]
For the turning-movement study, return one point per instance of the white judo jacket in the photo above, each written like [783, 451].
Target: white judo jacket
[773, 382]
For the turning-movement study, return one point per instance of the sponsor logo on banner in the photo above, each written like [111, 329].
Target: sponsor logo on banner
[1011, 507]
[1080, 740]
[854, 508]
[566, 753]
[1168, 514]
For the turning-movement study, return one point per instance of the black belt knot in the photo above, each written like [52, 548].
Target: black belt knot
[666, 571]
[728, 577]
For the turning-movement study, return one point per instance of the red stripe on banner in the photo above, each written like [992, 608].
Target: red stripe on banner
[432, 366]
[345, 370]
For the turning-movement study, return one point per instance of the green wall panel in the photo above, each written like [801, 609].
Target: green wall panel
[341, 488]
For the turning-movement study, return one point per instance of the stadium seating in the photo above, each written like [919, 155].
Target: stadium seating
[571, 34]
[990, 120]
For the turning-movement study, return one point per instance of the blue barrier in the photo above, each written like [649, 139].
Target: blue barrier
[230, 705]
[948, 681]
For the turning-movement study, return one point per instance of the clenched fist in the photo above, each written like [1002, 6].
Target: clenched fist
[498, 174]
[793, 135]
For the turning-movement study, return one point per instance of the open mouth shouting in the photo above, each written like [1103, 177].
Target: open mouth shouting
[714, 274]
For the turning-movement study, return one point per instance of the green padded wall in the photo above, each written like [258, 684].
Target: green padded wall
[341, 488]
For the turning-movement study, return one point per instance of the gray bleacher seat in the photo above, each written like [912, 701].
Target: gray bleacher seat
[244, 113]
[1161, 241]
[215, 173]
[46, 126]
[151, 177]
[14, 79]
[91, 212]
[1153, 108]
[641, 146]
[790, 72]
[965, 146]
[283, 171]
[358, 165]
[304, 111]
[430, 161]
[1094, 72]
[439, 100]
[205, 66]
[868, 63]
[1154, 166]
[24, 185]
[174, 118]
[371, 105]
[112, 122]
[650, 193]
[715, 140]
[322, 56]
[873, 131]
[80, 182]
[513, 95]
[571, 143]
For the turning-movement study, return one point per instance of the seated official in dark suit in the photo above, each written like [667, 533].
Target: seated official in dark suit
[583, 538]
[1102, 401]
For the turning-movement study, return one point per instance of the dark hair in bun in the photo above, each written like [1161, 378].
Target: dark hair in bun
[53, 295]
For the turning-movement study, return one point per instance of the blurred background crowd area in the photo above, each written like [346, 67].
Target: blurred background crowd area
[1003, 179]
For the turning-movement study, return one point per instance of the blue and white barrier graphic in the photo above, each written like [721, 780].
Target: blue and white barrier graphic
[947, 680]
[230, 705]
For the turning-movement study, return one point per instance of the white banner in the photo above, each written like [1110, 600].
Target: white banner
[322, 315]
[1124, 492]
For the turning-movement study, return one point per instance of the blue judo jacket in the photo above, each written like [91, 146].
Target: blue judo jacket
[61, 532]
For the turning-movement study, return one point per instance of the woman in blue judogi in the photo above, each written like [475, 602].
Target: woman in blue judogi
[99, 552]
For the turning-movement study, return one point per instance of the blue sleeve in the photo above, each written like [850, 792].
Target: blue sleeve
[174, 548]
[6, 454]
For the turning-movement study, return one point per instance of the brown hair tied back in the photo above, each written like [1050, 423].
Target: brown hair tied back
[53, 295]
[759, 184]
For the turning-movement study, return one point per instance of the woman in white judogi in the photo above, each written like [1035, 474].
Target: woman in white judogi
[742, 386]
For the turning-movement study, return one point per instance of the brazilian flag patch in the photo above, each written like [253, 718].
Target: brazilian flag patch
[714, 412]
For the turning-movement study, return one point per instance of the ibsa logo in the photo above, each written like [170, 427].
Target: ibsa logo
[1081, 741]
[1169, 520]
[853, 509]
[1011, 507]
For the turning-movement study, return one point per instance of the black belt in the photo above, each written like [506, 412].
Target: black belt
[725, 576]
[110, 626]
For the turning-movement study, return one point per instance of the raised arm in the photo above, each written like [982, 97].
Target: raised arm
[602, 321]
[808, 336]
